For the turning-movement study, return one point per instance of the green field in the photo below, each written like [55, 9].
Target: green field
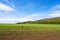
[29, 32]
[27, 27]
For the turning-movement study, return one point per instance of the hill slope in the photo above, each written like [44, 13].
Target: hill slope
[49, 21]
[45, 21]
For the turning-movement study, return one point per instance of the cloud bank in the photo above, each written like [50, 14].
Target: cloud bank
[55, 11]
[31, 17]
[4, 7]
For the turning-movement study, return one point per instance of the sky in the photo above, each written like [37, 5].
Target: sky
[12, 11]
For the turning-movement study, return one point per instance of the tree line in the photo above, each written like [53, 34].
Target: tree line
[43, 21]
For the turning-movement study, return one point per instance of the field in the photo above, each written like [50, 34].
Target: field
[29, 32]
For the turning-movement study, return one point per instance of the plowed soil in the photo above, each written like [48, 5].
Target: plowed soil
[44, 34]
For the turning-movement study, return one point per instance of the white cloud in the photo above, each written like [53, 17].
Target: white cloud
[55, 11]
[57, 7]
[14, 20]
[31, 17]
[4, 7]
[55, 14]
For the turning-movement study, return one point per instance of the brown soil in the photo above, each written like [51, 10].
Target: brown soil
[31, 35]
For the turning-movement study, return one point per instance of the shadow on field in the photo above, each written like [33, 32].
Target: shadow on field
[43, 34]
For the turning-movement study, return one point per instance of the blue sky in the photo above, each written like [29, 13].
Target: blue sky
[12, 11]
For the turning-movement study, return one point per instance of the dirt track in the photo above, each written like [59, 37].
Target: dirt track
[31, 35]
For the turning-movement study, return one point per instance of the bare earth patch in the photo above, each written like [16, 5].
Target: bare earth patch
[46, 34]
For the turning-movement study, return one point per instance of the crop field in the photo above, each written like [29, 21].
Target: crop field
[29, 32]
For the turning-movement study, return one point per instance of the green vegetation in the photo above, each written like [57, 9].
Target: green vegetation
[31, 27]
[44, 21]
[49, 23]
